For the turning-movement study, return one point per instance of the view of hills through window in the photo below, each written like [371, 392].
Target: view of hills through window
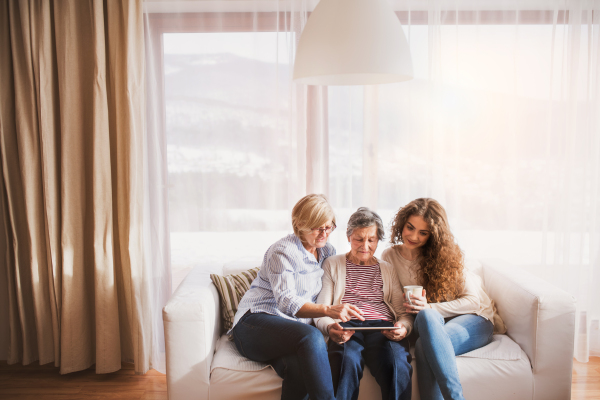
[226, 98]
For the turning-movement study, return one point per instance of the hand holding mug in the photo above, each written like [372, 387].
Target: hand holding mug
[414, 302]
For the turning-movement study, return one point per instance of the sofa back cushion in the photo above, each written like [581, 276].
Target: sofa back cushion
[241, 264]
[231, 289]
[474, 266]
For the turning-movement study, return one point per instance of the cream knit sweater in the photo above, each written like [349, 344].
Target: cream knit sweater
[473, 300]
[334, 285]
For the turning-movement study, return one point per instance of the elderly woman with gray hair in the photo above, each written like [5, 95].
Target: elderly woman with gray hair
[360, 279]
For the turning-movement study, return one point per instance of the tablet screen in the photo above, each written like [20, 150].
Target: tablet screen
[371, 328]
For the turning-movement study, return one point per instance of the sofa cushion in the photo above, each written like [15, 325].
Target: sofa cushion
[226, 384]
[228, 357]
[474, 266]
[241, 264]
[232, 374]
[495, 379]
[501, 347]
[231, 289]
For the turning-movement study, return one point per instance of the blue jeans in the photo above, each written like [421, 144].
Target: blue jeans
[437, 347]
[388, 361]
[296, 351]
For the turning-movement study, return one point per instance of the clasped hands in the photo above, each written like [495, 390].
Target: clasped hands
[345, 312]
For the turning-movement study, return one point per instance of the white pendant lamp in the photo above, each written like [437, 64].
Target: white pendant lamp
[352, 42]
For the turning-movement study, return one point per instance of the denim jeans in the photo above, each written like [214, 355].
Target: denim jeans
[437, 347]
[296, 351]
[388, 361]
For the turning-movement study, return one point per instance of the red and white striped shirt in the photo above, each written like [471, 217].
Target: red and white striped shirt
[364, 289]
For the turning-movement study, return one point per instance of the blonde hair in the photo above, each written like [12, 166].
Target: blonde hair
[441, 261]
[311, 212]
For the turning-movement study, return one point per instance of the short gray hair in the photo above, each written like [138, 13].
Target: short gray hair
[364, 218]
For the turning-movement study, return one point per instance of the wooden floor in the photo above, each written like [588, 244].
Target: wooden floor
[586, 380]
[45, 383]
[35, 382]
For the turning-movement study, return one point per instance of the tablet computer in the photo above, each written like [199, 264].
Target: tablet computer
[370, 328]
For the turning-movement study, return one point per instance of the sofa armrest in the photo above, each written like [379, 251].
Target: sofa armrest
[541, 318]
[192, 328]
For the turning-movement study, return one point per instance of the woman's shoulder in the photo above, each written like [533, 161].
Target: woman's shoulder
[336, 259]
[391, 253]
[395, 258]
[288, 247]
[329, 250]
[286, 243]
[385, 265]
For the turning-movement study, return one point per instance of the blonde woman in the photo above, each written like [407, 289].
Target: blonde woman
[272, 324]
[454, 315]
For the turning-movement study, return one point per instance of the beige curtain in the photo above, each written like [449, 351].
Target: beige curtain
[71, 124]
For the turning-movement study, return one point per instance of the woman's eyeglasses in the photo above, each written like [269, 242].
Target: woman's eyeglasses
[327, 229]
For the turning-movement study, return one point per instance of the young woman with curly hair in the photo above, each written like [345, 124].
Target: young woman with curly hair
[454, 314]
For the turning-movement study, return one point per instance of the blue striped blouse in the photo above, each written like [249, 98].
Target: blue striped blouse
[289, 278]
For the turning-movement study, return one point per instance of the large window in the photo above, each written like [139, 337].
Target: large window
[479, 128]
[226, 100]
[498, 124]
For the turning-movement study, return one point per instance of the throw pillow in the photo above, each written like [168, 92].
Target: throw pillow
[231, 289]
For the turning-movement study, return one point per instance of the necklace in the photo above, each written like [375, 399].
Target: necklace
[361, 262]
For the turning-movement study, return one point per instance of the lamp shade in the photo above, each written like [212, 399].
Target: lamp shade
[352, 42]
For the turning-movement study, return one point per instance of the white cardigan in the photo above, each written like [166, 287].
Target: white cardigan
[334, 286]
[473, 299]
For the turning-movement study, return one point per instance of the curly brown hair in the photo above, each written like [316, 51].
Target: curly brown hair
[441, 262]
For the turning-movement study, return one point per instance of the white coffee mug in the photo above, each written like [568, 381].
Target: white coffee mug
[414, 290]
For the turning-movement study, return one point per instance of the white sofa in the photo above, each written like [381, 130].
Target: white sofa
[533, 361]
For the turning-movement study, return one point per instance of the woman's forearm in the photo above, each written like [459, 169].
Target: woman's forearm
[468, 302]
[311, 310]
[344, 312]
[464, 305]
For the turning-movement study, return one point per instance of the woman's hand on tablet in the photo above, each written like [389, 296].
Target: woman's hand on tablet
[345, 312]
[396, 335]
[418, 303]
[338, 334]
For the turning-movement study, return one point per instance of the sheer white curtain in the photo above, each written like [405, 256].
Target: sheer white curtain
[230, 128]
[501, 125]
[226, 144]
